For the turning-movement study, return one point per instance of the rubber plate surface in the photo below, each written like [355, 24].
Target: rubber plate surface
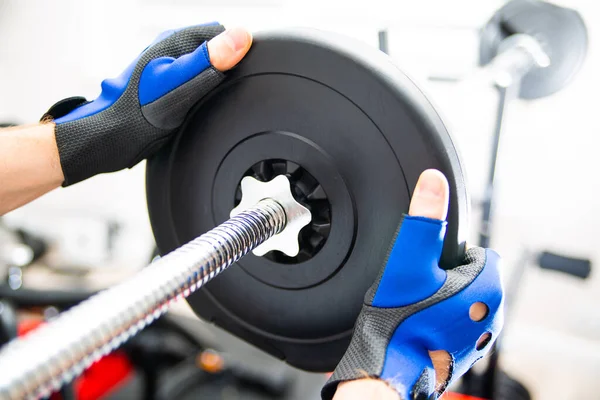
[347, 115]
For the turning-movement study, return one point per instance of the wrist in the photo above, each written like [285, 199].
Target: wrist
[366, 388]
[30, 164]
[45, 133]
[57, 171]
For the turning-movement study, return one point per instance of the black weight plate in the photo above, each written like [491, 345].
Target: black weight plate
[345, 114]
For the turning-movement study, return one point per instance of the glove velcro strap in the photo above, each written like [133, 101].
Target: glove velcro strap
[63, 107]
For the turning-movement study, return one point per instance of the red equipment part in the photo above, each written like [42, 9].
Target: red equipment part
[102, 378]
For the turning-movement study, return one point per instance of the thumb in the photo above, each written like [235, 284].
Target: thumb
[412, 273]
[228, 48]
[431, 196]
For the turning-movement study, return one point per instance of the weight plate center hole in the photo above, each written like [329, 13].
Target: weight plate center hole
[308, 192]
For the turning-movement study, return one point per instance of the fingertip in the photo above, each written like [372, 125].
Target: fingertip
[431, 196]
[228, 48]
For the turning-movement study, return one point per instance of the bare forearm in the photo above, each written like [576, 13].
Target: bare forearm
[29, 164]
[365, 389]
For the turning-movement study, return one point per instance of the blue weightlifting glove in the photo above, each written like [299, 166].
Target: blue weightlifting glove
[137, 112]
[415, 307]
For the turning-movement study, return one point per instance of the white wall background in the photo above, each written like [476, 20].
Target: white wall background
[547, 175]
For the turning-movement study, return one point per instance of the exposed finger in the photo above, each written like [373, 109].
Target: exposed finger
[228, 48]
[431, 195]
[441, 363]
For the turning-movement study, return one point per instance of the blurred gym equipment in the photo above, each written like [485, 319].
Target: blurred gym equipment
[529, 49]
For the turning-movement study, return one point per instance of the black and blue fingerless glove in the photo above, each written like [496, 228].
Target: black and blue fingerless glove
[415, 307]
[137, 112]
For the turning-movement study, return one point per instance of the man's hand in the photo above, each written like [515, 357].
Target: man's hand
[138, 111]
[421, 327]
[135, 114]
